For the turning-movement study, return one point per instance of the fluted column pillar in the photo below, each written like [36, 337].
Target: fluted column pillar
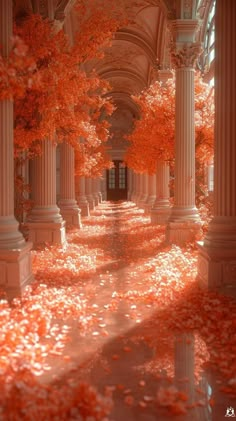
[144, 197]
[15, 258]
[130, 183]
[45, 221]
[95, 191]
[160, 211]
[89, 193]
[68, 205]
[134, 182]
[184, 222]
[133, 186]
[103, 186]
[151, 193]
[81, 197]
[139, 188]
[99, 189]
[217, 258]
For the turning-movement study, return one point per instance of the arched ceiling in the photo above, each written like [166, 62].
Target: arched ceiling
[135, 50]
[128, 65]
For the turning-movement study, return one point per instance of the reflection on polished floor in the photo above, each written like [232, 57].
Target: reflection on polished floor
[134, 325]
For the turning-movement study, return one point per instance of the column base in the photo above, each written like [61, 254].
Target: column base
[138, 197]
[72, 216]
[142, 202]
[10, 236]
[100, 197]
[182, 232]
[217, 269]
[96, 200]
[104, 196]
[84, 207]
[91, 203]
[148, 206]
[15, 270]
[47, 232]
[160, 216]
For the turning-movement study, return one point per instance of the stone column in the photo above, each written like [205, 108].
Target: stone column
[99, 190]
[217, 256]
[103, 186]
[142, 194]
[89, 195]
[134, 183]
[15, 258]
[81, 197]
[161, 208]
[45, 222]
[184, 223]
[160, 211]
[68, 205]
[130, 184]
[143, 199]
[95, 191]
[133, 192]
[151, 193]
[139, 189]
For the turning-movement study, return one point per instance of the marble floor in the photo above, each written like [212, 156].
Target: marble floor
[148, 342]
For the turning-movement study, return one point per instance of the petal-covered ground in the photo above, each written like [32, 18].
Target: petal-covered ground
[116, 328]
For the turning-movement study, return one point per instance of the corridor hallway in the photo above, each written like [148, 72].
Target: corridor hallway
[119, 310]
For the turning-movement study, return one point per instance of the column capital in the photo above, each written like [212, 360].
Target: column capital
[184, 30]
[185, 56]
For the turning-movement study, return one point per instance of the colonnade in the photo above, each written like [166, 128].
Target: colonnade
[217, 252]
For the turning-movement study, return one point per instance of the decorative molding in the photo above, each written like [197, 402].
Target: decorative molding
[185, 56]
[184, 30]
